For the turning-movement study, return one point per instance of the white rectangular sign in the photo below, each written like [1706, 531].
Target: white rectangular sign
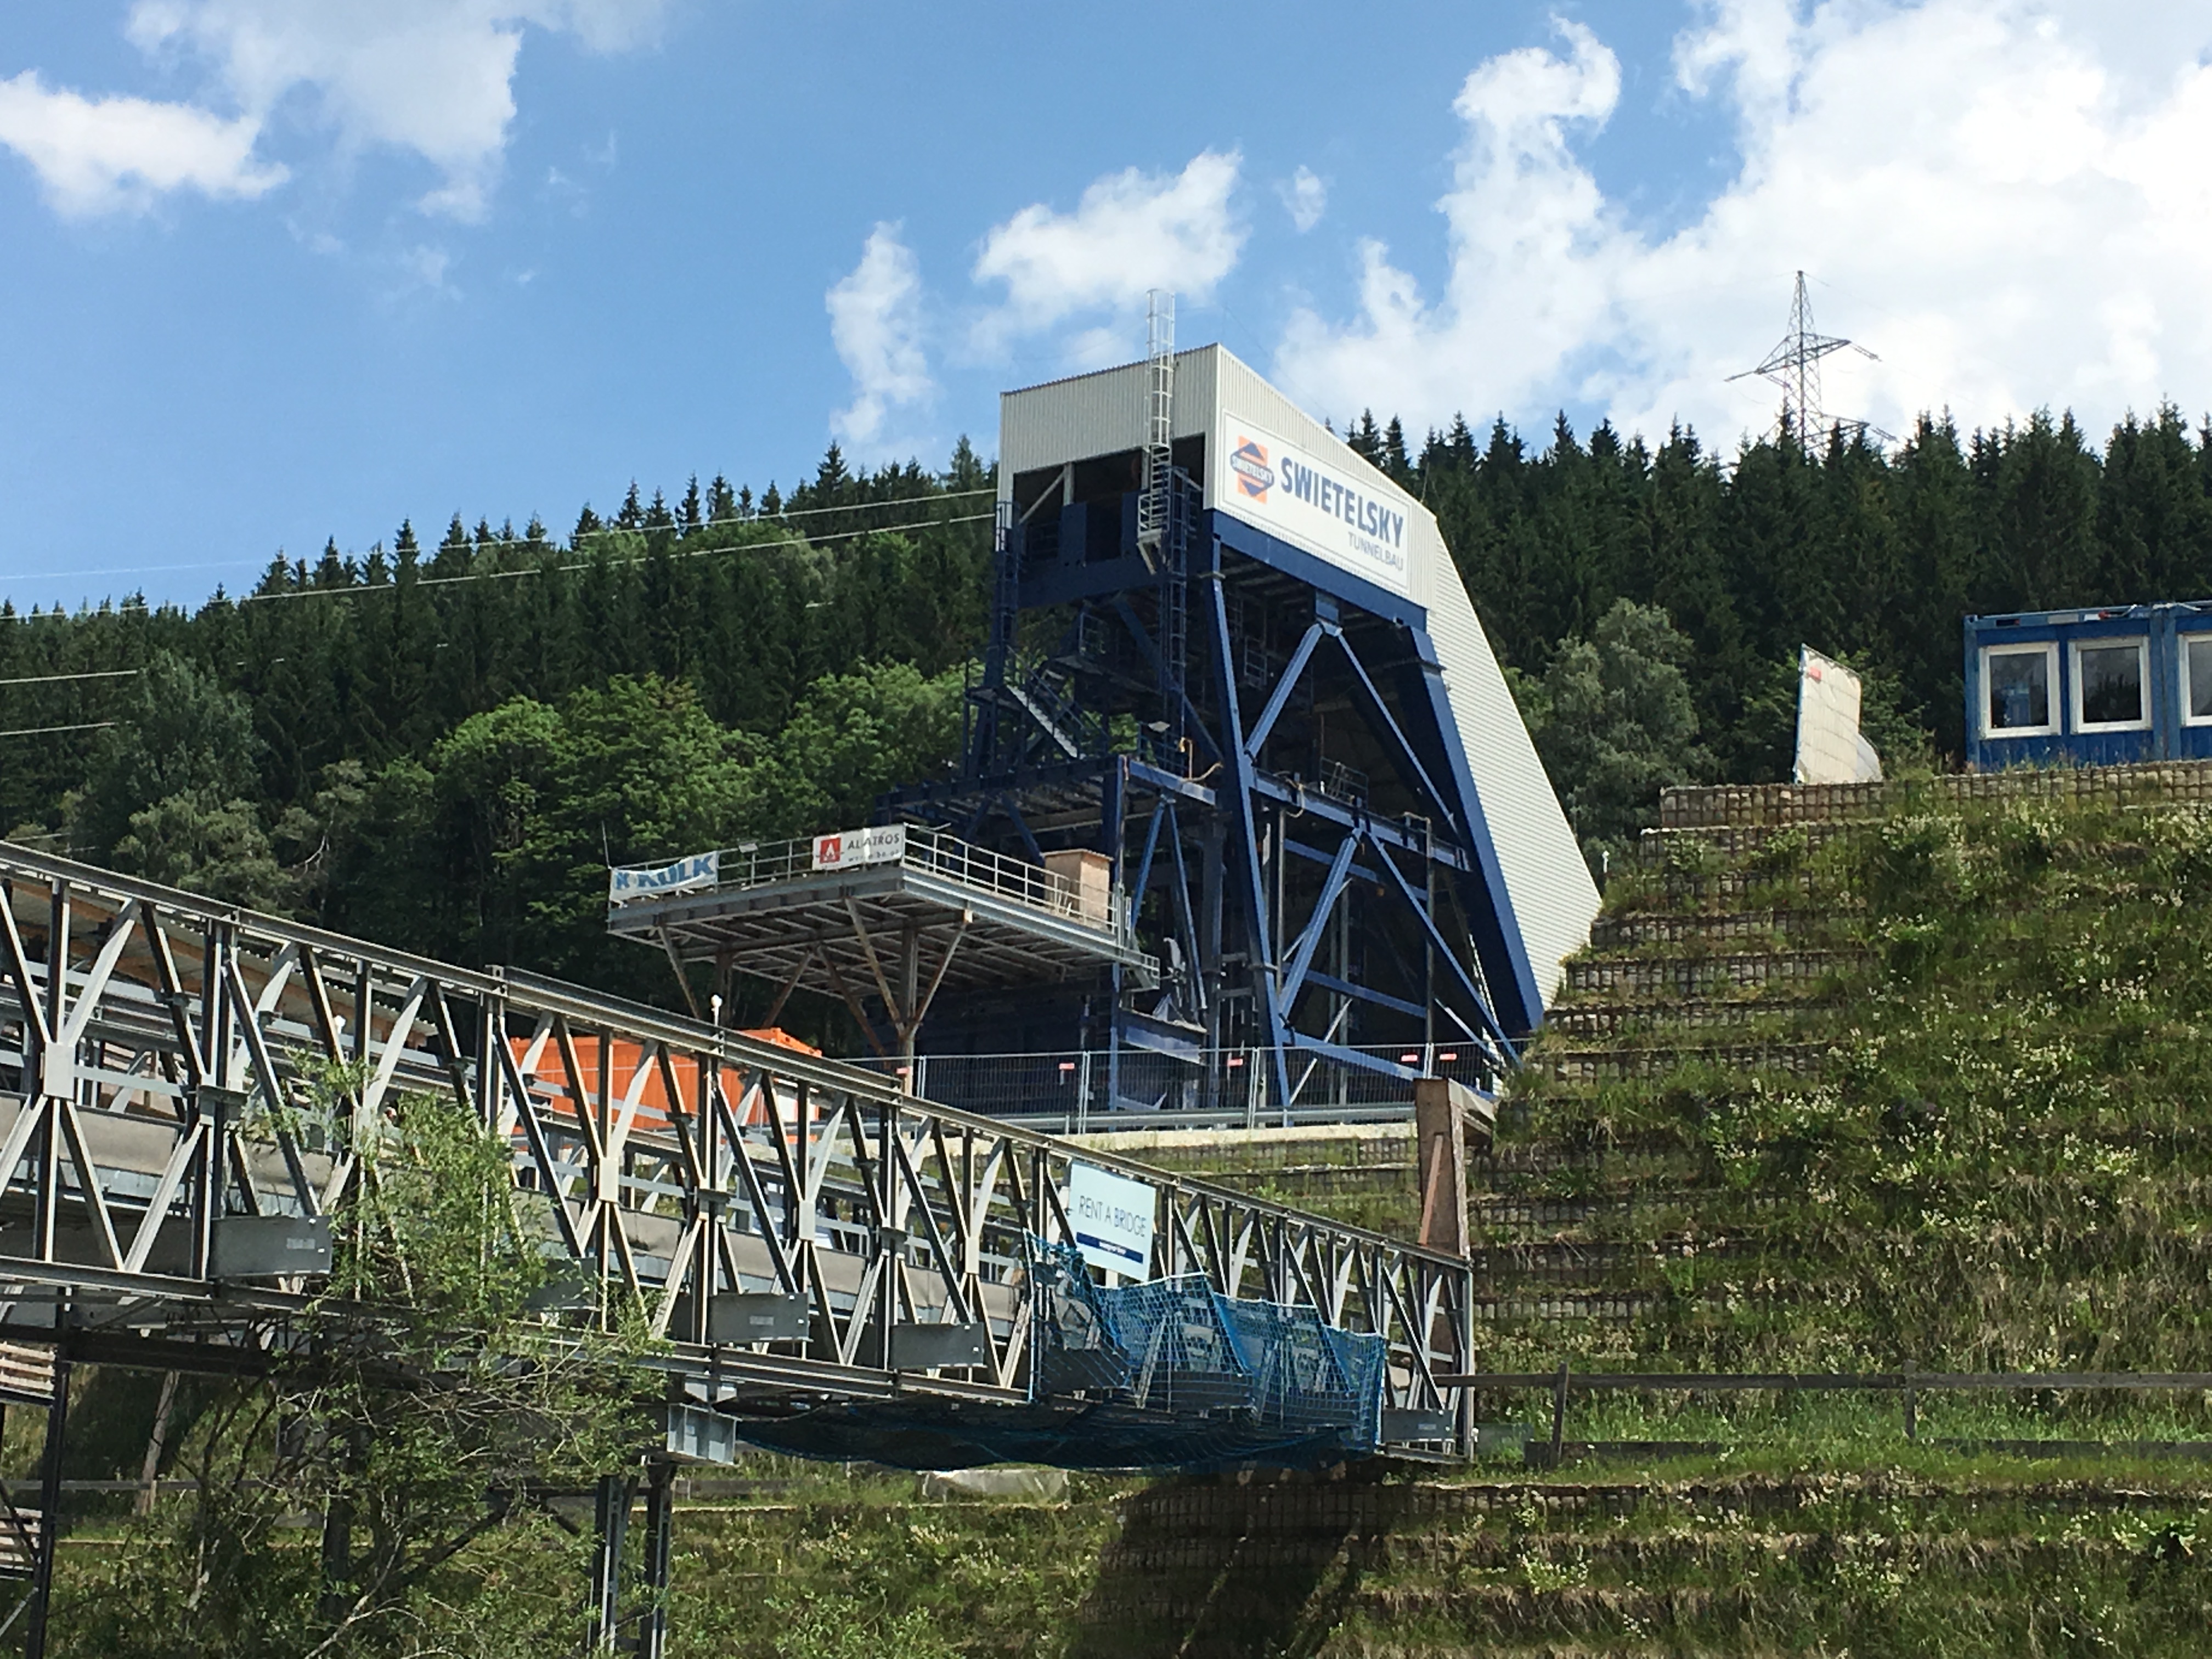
[884, 844]
[1829, 747]
[684, 876]
[1112, 1219]
[1340, 512]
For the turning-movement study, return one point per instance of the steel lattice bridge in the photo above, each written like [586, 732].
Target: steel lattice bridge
[811, 1246]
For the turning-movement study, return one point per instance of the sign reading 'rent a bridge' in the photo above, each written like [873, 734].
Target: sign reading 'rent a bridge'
[1112, 1219]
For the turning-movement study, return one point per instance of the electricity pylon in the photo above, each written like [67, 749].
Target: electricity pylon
[1795, 366]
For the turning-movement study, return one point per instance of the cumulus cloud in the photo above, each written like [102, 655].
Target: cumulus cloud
[95, 156]
[875, 322]
[429, 78]
[1306, 198]
[2004, 199]
[1131, 231]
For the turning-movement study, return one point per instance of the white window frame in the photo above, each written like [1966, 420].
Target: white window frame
[2049, 729]
[2182, 640]
[2142, 680]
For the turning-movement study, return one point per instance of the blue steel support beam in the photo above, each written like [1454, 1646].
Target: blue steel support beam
[1379, 712]
[1344, 987]
[1268, 786]
[1332, 888]
[1244, 778]
[1257, 737]
[1191, 719]
[1451, 959]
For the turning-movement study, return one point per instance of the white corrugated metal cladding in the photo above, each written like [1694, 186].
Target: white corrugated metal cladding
[1553, 896]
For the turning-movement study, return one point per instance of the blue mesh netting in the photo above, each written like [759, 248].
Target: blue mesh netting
[1165, 1374]
[1175, 1348]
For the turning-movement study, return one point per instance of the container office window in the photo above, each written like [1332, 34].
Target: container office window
[2197, 679]
[2019, 682]
[2109, 677]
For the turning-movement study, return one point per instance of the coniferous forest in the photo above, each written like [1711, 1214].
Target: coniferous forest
[442, 746]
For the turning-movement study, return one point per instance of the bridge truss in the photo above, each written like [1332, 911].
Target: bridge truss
[148, 1036]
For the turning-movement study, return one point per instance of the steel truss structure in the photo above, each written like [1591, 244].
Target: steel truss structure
[148, 1039]
[799, 1233]
[1263, 747]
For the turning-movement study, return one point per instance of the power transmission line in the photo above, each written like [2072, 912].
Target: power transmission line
[903, 502]
[587, 564]
[55, 679]
[49, 730]
[142, 608]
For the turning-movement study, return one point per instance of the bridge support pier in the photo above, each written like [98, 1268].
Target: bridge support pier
[636, 1622]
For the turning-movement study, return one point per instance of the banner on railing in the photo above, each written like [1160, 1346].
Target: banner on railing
[1112, 1216]
[884, 843]
[684, 876]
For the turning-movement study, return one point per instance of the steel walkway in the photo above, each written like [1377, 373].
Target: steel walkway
[702, 1176]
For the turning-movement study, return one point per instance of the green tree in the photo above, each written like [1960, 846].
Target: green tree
[1614, 723]
[183, 734]
[202, 844]
[420, 1402]
[852, 737]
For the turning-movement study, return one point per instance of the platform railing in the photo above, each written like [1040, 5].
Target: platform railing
[761, 864]
[1076, 1092]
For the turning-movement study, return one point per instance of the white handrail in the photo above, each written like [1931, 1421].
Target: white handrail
[758, 864]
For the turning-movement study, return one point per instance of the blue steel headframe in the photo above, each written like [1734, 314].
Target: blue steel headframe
[1214, 817]
[1441, 747]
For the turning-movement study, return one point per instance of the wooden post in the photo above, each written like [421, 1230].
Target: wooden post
[1560, 1416]
[50, 1509]
[150, 1471]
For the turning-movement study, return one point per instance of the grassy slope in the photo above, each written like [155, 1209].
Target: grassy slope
[1967, 1130]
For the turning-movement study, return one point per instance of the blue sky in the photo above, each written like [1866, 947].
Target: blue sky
[271, 271]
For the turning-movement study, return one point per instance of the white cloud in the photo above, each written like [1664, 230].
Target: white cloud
[425, 265]
[432, 78]
[1306, 198]
[875, 322]
[2005, 199]
[99, 155]
[1131, 232]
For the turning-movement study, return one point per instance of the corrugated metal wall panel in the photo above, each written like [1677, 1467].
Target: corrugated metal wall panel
[1554, 897]
[1100, 414]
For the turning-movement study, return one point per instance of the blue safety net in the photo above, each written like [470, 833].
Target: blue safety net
[1176, 1347]
[1164, 1375]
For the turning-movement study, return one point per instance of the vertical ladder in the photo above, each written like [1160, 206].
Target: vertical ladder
[1159, 424]
[1005, 617]
[1160, 537]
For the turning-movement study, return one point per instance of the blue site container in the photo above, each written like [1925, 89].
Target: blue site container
[2093, 687]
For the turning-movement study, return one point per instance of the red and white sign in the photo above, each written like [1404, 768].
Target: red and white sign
[845, 850]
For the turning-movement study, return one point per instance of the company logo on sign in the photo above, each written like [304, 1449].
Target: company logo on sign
[884, 843]
[1321, 498]
[1248, 461]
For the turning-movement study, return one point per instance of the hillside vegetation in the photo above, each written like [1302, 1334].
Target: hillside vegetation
[441, 745]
